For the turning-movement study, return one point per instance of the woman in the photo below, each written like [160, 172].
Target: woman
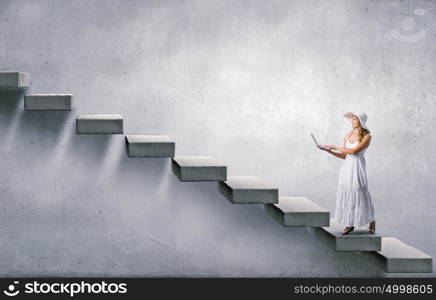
[353, 200]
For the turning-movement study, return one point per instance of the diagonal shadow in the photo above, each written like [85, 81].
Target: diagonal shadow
[9, 104]
[150, 169]
[48, 123]
[92, 148]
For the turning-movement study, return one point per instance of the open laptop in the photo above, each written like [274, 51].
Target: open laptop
[316, 142]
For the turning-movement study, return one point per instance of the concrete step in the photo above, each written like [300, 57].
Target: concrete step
[198, 168]
[48, 102]
[357, 240]
[298, 211]
[248, 190]
[99, 124]
[398, 257]
[150, 146]
[14, 80]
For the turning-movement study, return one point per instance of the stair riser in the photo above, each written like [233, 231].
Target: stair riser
[399, 257]
[99, 126]
[48, 103]
[14, 80]
[151, 150]
[199, 173]
[240, 196]
[297, 219]
[405, 265]
[348, 243]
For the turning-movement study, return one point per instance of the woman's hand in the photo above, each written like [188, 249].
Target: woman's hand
[324, 148]
[332, 147]
[328, 149]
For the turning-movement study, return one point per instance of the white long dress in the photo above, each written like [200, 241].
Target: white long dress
[353, 200]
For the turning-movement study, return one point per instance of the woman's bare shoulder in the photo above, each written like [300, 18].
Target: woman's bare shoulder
[367, 139]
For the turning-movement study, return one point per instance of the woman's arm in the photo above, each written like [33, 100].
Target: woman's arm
[337, 154]
[362, 145]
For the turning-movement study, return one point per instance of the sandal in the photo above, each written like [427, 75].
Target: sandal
[347, 230]
[372, 227]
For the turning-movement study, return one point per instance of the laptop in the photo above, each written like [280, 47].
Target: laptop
[316, 142]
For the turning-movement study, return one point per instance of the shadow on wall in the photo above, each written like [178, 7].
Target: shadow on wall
[9, 109]
[10, 101]
[27, 128]
[52, 131]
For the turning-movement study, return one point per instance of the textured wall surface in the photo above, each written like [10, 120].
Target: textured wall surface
[244, 81]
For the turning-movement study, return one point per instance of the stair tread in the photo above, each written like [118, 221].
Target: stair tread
[148, 139]
[100, 124]
[298, 212]
[197, 161]
[248, 190]
[394, 248]
[247, 182]
[357, 240]
[49, 102]
[148, 146]
[198, 168]
[48, 95]
[298, 204]
[100, 117]
[336, 230]
[14, 79]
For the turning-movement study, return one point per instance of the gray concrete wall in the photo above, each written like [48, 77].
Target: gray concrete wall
[244, 81]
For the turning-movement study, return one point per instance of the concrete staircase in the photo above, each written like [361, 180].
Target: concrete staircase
[298, 211]
[99, 124]
[398, 257]
[14, 80]
[150, 146]
[358, 240]
[49, 102]
[198, 168]
[390, 254]
[248, 190]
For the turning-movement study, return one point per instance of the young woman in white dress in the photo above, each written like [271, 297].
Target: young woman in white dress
[354, 206]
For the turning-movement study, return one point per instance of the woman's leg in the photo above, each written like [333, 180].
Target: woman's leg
[372, 227]
[347, 230]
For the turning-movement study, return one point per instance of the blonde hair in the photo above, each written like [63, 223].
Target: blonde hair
[362, 132]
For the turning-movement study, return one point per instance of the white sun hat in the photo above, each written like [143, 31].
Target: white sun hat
[362, 117]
